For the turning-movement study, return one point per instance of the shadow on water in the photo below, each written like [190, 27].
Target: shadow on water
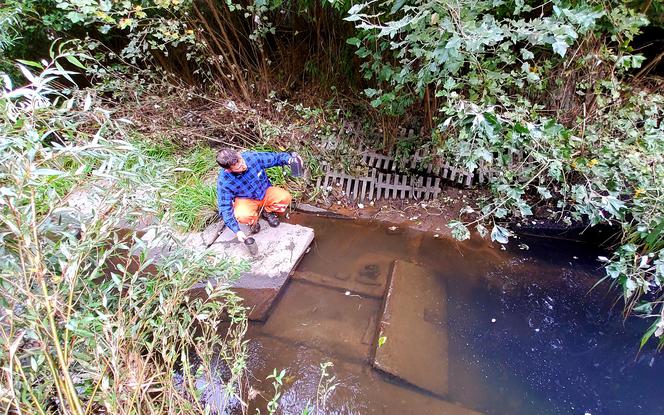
[525, 334]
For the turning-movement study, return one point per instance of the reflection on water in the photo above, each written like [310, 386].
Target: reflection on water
[525, 334]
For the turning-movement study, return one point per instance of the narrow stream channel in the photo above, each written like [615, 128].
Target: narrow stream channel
[524, 334]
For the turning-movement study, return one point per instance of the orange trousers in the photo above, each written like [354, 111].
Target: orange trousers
[276, 200]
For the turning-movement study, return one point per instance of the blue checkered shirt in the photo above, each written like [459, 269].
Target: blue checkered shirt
[251, 183]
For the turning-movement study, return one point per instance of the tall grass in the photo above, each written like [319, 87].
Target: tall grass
[195, 196]
[94, 320]
[195, 205]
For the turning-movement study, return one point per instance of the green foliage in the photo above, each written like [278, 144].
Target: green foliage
[148, 24]
[90, 323]
[538, 94]
[200, 162]
[277, 383]
[278, 175]
[195, 205]
[165, 149]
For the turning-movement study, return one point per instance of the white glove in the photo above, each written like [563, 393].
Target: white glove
[241, 236]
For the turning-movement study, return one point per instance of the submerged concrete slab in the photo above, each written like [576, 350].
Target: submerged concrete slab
[279, 251]
[366, 275]
[359, 389]
[414, 327]
[325, 319]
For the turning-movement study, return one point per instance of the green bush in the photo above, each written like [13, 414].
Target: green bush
[539, 94]
[91, 321]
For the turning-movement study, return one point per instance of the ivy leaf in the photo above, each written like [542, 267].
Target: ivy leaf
[629, 287]
[353, 41]
[500, 213]
[544, 192]
[500, 234]
[526, 54]
[613, 205]
[560, 47]
[459, 230]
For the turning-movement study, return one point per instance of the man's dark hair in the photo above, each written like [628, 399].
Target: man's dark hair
[227, 157]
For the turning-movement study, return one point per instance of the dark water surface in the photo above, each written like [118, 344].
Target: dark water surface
[525, 334]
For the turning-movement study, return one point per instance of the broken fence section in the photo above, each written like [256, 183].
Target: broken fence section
[384, 181]
[423, 179]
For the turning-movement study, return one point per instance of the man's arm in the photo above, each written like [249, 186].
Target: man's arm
[267, 159]
[225, 206]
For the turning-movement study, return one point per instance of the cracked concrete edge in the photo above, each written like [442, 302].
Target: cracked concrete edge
[315, 210]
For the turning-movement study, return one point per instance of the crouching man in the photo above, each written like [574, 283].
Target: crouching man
[244, 190]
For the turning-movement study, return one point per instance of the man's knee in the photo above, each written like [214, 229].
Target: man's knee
[279, 199]
[285, 197]
[245, 212]
[246, 218]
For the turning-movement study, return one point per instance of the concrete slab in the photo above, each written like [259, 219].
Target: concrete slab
[359, 389]
[279, 251]
[324, 319]
[366, 275]
[307, 208]
[414, 326]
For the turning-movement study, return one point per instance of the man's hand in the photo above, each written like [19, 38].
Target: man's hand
[241, 236]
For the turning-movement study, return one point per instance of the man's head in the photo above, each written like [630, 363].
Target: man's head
[231, 160]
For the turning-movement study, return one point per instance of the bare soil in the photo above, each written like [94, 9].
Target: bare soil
[427, 216]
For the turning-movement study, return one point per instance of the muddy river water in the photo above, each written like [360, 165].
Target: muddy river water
[523, 332]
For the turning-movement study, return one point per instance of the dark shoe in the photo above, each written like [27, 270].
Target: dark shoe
[272, 219]
[255, 228]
